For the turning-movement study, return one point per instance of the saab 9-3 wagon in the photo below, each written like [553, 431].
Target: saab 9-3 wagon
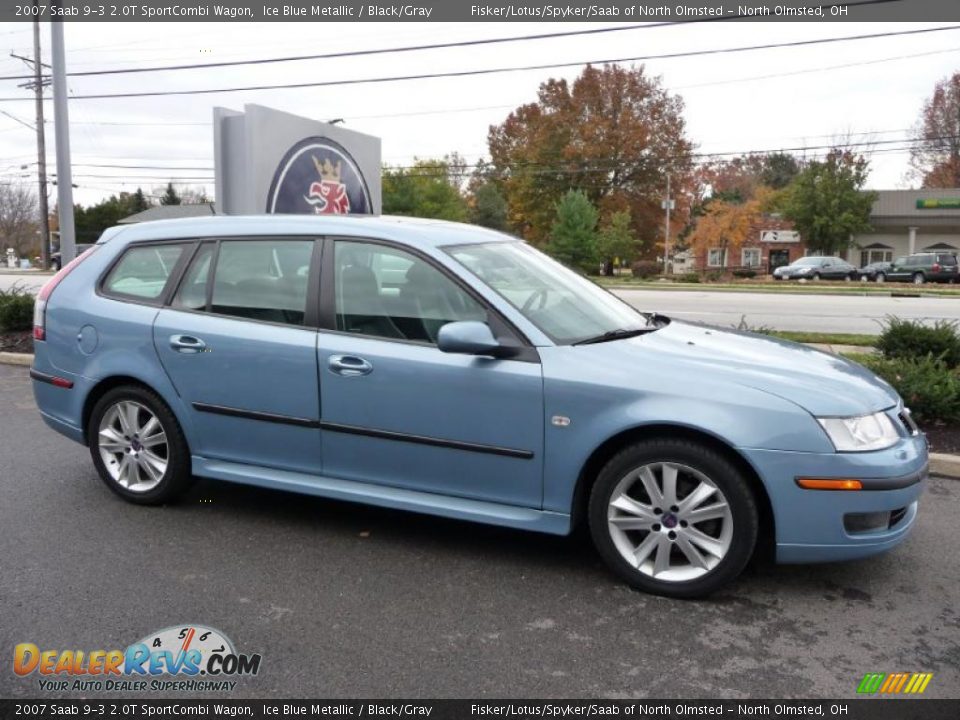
[451, 370]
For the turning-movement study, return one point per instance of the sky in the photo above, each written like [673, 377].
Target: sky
[731, 101]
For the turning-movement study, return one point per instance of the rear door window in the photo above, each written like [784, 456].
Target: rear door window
[143, 271]
[263, 280]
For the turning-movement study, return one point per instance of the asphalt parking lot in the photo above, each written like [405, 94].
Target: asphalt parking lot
[348, 601]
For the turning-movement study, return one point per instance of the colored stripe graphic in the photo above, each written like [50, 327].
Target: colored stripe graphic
[894, 683]
[870, 683]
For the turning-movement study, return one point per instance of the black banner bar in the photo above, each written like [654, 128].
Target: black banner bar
[606, 11]
[847, 709]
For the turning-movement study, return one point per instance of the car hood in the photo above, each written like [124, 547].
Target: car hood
[823, 384]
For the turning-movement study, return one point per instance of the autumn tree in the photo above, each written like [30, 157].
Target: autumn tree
[725, 225]
[19, 217]
[827, 203]
[613, 134]
[573, 238]
[935, 158]
[429, 189]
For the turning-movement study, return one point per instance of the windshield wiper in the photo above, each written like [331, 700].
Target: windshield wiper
[619, 334]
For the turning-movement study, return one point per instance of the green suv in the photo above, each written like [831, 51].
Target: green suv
[920, 268]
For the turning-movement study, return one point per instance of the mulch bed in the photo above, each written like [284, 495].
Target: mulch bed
[17, 342]
[943, 438]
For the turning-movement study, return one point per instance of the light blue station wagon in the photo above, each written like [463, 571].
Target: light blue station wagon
[451, 370]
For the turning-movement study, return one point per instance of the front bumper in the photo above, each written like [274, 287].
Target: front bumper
[831, 525]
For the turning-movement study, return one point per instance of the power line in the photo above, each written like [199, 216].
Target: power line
[355, 53]
[510, 69]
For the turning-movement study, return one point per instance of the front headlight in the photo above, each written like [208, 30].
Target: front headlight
[860, 434]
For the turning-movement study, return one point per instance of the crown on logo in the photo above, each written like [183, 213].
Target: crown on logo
[327, 170]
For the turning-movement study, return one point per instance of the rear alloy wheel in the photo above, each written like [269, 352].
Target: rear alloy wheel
[919, 279]
[850, 278]
[673, 518]
[138, 447]
[881, 277]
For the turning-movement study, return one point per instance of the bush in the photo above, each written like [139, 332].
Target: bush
[928, 387]
[714, 276]
[16, 309]
[643, 269]
[745, 273]
[690, 277]
[909, 339]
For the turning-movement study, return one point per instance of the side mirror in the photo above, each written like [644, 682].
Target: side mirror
[469, 337]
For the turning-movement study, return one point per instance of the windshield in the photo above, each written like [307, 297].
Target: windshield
[807, 261]
[566, 307]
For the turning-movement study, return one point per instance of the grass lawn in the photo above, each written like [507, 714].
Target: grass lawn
[825, 338]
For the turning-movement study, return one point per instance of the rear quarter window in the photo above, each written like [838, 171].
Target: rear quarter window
[143, 271]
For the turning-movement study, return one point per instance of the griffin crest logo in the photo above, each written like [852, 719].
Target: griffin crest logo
[318, 176]
[328, 195]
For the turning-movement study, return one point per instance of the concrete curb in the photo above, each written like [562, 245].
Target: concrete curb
[940, 463]
[9, 358]
[945, 465]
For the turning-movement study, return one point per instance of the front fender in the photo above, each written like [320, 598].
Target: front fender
[600, 408]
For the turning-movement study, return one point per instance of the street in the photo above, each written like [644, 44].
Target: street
[784, 311]
[343, 600]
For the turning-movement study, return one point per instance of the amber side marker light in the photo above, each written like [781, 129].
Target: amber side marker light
[822, 484]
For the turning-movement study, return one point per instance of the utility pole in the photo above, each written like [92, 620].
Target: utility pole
[41, 152]
[667, 205]
[61, 120]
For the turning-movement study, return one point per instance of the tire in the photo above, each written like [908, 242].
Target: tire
[881, 277]
[815, 277]
[161, 471]
[730, 532]
[919, 278]
[849, 278]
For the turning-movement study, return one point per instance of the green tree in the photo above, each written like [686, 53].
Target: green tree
[573, 237]
[170, 196]
[489, 207]
[428, 189]
[139, 203]
[90, 222]
[827, 203]
[616, 240]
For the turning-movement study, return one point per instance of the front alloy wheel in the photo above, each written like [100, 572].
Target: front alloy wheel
[673, 518]
[670, 521]
[138, 447]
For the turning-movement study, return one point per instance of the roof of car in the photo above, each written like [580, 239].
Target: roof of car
[408, 230]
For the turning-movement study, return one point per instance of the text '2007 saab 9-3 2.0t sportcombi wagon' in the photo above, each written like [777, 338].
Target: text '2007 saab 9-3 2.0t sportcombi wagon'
[451, 370]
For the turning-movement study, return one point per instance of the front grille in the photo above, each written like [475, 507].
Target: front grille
[896, 516]
[908, 422]
[855, 523]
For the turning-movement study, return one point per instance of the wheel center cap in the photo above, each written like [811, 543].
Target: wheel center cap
[135, 444]
[669, 520]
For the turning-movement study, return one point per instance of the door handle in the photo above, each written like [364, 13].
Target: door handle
[187, 344]
[349, 365]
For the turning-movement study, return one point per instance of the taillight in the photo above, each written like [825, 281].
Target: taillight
[936, 267]
[40, 304]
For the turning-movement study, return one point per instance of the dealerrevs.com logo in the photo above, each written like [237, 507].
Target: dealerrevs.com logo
[190, 658]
